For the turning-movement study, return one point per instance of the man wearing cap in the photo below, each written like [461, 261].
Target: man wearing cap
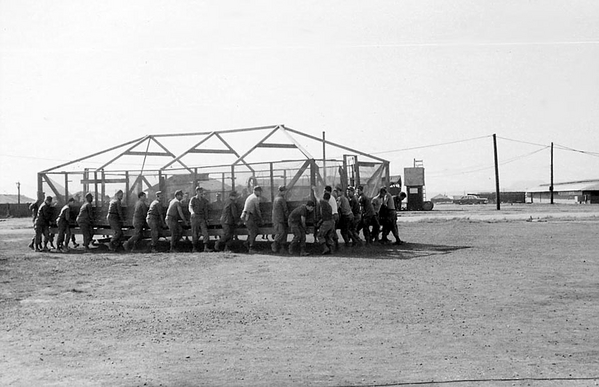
[280, 214]
[252, 217]
[174, 214]
[42, 224]
[346, 216]
[335, 209]
[139, 221]
[297, 225]
[64, 229]
[326, 224]
[390, 219]
[229, 218]
[199, 208]
[85, 220]
[115, 220]
[357, 215]
[34, 208]
[367, 215]
[155, 219]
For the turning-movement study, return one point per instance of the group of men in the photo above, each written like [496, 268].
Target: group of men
[43, 214]
[350, 211]
[346, 210]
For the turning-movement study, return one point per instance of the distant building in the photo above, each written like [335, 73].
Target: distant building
[440, 199]
[505, 196]
[575, 192]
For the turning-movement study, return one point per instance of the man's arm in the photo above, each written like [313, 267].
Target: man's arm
[181, 215]
[191, 205]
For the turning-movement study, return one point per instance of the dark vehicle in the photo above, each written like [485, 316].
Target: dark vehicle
[471, 199]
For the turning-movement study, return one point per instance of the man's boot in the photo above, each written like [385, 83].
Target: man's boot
[208, 249]
[304, 253]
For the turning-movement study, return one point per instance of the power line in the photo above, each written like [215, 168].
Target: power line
[595, 154]
[501, 163]
[522, 142]
[430, 146]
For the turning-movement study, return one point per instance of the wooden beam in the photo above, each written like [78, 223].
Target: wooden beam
[138, 153]
[53, 188]
[176, 159]
[334, 144]
[293, 140]
[216, 131]
[210, 151]
[235, 152]
[298, 174]
[367, 164]
[95, 154]
[121, 154]
[242, 158]
[106, 181]
[166, 150]
[265, 145]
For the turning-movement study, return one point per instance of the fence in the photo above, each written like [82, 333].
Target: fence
[11, 210]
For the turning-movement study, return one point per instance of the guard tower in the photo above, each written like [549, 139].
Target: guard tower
[416, 194]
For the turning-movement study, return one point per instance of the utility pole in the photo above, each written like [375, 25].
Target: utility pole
[18, 192]
[324, 157]
[496, 173]
[551, 183]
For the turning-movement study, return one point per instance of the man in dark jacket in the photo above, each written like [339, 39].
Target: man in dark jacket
[280, 215]
[297, 225]
[155, 220]
[229, 219]
[115, 220]
[139, 222]
[85, 220]
[45, 216]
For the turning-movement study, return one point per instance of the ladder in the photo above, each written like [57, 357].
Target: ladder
[420, 164]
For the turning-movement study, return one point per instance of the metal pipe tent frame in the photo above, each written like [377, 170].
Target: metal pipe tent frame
[298, 175]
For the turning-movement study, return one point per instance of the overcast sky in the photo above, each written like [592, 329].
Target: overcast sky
[392, 78]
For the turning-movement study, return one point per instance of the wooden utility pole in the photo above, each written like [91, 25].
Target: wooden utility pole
[551, 183]
[324, 158]
[496, 173]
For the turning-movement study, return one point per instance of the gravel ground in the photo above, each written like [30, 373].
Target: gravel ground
[474, 300]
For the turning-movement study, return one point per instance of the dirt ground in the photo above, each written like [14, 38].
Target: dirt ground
[477, 297]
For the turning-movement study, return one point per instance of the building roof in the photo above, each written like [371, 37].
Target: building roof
[572, 186]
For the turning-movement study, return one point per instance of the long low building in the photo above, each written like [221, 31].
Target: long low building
[574, 192]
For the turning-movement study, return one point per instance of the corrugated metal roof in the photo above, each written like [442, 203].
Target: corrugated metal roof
[574, 186]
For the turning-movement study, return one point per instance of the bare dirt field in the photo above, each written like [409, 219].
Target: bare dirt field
[477, 297]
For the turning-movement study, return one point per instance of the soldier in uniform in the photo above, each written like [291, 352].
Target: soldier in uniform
[199, 208]
[174, 215]
[115, 220]
[297, 225]
[326, 225]
[155, 220]
[367, 216]
[34, 208]
[85, 220]
[252, 217]
[45, 216]
[280, 215]
[229, 219]
[139, 222]
[64, 228]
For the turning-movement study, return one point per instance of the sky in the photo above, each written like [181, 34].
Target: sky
[403, 80]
